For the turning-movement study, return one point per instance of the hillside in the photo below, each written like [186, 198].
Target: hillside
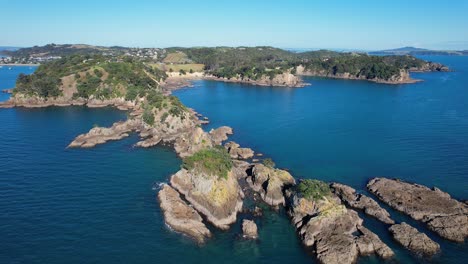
[418, 52]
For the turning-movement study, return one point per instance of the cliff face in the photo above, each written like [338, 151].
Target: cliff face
[285, 79]
[219, 199]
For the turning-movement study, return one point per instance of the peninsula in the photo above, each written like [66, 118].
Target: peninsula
[217, 178]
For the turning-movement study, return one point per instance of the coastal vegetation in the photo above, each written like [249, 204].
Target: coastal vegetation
[214, 161]
[313, 189]
[240, 62]
[94, 76]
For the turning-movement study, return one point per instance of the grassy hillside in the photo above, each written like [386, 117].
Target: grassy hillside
[91, 76]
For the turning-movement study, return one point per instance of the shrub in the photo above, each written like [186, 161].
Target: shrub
[269, 163]
[214, 161]
[313, 189]
[148, 117]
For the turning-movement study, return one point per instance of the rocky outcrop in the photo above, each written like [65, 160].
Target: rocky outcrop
[220, 134]
[180, 216]
[410, 238]
[249, 229]
[335, 233]
[196, 139]
[100, 135]
[270, 183]
[430, 67]
[359, 201]
[285, 79]
[442, 214]
[218, 198]
[236, 152]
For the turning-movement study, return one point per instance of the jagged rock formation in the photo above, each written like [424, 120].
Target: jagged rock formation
[269, 183]
[220, 134]
[359, 201]
[219, 199]
[249, 229]
[412, 239]
[237, 152]
[196, 139]
[442, 214]
[335, 233]
[180, 216]
[100, 135]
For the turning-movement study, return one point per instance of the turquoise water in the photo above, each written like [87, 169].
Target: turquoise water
[99, 205]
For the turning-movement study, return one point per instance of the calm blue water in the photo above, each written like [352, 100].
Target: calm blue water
[98, 206]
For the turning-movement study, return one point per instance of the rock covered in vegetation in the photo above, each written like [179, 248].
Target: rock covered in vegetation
[430, 66]
[270, 183]
[180, 216]
[335, 233]
[249, 229]
[237, 152]
[441, 213]
[359, 201]
[410, 238]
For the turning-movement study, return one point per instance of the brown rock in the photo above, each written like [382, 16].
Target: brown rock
[359, 201]
[412, 239]
[180, 216]
[270, 182]
[249, 229]
[442, 214]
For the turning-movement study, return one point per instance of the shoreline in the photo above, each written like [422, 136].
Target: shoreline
[19, 64]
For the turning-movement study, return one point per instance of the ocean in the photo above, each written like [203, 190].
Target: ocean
[99, 205]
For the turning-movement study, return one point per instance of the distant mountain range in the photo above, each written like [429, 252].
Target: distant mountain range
[418, 51]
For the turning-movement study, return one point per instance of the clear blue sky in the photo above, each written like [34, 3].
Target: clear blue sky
[288, 24]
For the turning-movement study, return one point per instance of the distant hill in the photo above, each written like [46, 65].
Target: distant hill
[418, 51]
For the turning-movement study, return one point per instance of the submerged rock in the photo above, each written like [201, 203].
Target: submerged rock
[249, 229]
[335, 233]
[441, 213]
[412, 239]
[359, 201]
[180, 216]
[218, 198]
[270, 182]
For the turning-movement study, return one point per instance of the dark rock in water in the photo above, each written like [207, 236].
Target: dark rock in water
[249, 229]
[219, 199]
[270, 182]
[359, 201]
[180, 216]
[412, 239]
[335, 233]
[442, 214]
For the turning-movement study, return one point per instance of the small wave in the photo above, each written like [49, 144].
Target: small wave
[157, 186]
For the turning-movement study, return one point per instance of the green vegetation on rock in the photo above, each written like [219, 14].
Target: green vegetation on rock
[313, 189]
[214, 161]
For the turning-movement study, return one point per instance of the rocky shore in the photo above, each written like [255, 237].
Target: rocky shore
[441, 213]
[410, 238]
[359, 201]
[285, 79]
[336, 234]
